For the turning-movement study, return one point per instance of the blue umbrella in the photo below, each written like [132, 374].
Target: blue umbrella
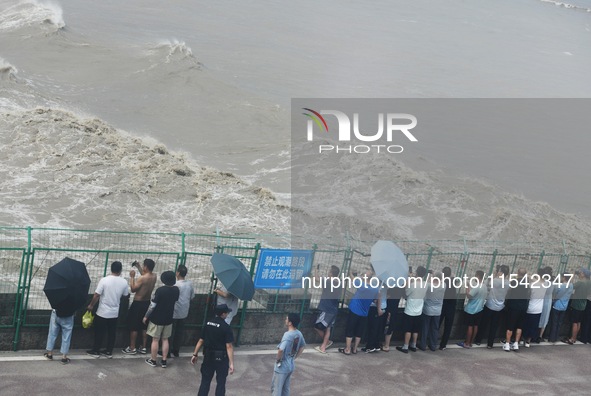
[233, 275]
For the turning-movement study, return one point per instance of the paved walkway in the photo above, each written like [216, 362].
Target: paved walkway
[540, 370]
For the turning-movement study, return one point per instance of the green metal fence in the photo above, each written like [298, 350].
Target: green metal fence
[27, 253]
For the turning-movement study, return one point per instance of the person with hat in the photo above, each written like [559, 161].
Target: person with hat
[218, 352]
[160, 315]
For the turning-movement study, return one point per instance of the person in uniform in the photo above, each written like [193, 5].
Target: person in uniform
[218, 353]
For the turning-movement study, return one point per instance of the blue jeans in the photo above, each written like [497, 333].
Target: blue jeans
[55, 325]
[280, 384]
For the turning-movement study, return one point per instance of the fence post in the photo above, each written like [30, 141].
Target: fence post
[429, 257]
[20, 294]
[347, 260]
[253, 262]
[492, 261]
[314, 248]
[540, 261]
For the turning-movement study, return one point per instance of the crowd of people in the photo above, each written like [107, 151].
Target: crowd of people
[529, 307]
[504, 306]
[160, 317]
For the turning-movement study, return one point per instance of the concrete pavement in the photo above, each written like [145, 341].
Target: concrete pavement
[541, 370]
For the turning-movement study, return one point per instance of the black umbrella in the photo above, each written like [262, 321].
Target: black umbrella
[67, 286]
[233, 275]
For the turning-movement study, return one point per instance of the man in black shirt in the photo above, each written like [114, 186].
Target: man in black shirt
[160, 313]
[448, 310]
[218, 353]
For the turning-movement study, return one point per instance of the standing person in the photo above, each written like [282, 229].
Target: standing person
[416, 289]
[495, 303]
[218, 353]
[585, 332]
[534, 309]
[160, 315]
[358, 311]
[517, 301]
[431, 313]
[328, 307]
[225, 297]
[142, 288]
[108, 294]
[181, 309]
[544, 318]
[473, 309]
[578, 304]
[289, 349]
[59, 322]
[562, 293]
[448, 310]
[376, 323]
[394, 295]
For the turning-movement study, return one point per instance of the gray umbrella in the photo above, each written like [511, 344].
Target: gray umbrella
[233, 275]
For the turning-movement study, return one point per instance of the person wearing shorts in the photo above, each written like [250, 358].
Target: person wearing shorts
[473, 309]
[578, 303]
[160, 315]
[142, 287]
[358, 311]
[416, 290]
[517, 301]
[329, 307]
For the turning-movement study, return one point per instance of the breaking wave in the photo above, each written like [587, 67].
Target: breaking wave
[567, 5]
[47, 14]
[61, 170]
[7, 71]
[174, 55]
[377, 196]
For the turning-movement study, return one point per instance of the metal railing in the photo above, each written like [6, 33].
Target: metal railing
[27, 253]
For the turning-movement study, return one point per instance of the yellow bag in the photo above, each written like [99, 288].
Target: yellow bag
[87, 319]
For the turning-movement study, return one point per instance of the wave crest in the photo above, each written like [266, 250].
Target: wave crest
[7, 71]
[48, 15]
[567, 5]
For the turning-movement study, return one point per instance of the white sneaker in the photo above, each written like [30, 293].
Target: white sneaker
[526, 344]
[506, 347]
[515, 346]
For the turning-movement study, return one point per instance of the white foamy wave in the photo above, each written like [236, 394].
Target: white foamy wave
[378, 196]
[32, 13]
[61, 170]
[171, 53]
[567, 5]
[7, 71]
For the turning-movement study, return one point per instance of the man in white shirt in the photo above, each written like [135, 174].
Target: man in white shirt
[109, 291]
[181, 308]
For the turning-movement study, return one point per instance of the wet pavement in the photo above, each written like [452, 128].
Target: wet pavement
[541, 369]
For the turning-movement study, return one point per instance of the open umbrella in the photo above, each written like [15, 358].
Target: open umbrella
[233, 275]
[388, 261]
[66, 286]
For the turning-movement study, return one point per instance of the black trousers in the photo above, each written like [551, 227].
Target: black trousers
[102, 326]
[176, 341]
[448, 313]
[392, 309]
[488, 326]
[375, 325]
[585, 334]
[209, 367]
